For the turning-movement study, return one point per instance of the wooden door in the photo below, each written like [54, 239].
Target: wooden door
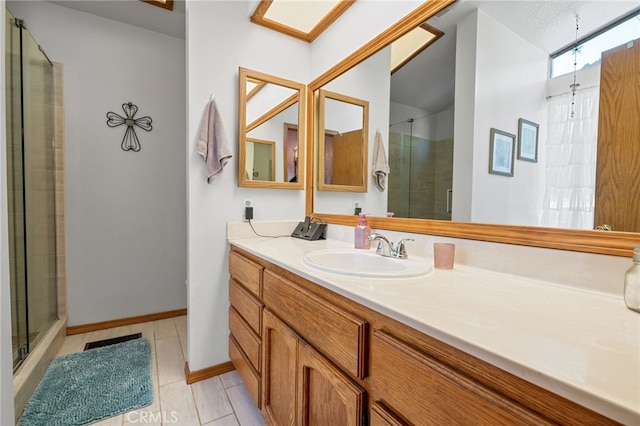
[326, 396]
[347, 158]
[280, 359]
[618, 160]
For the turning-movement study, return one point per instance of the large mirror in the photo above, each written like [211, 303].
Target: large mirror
[271, 131]
[343, 122]
[478, 90]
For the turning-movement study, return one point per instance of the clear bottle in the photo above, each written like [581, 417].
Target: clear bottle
[632, 282]
[362, 232]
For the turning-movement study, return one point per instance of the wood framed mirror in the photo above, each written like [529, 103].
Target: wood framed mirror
[612, 243]
[271, 117]
[343, 123]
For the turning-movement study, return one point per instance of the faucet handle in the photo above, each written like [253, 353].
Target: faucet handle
[384, 245]
[401, 250]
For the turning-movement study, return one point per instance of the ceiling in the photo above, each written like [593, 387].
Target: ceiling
[136, 13]
[548, 24]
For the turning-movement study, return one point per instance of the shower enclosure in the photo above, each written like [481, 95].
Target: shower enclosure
[31, 189]
[420, 183]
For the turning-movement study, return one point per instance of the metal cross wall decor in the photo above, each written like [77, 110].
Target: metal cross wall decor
[130, 140]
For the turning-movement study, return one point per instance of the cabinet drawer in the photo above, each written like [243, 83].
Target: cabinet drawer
[338, 334]
[247, 341]
[249, 308]
[246, 272]
[424, 391]
[250, 377]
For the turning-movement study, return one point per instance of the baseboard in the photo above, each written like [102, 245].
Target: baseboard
[206, 373]
[85, 328]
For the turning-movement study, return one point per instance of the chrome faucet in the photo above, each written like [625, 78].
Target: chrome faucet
[386, 248]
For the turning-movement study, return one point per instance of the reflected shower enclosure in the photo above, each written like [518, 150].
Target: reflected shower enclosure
[30, 189]
[421, 177]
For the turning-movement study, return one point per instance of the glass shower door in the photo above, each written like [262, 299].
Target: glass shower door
[31, 189]
[39, 184]
[15, 192]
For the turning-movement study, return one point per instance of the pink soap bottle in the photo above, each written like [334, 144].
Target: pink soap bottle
[361, 240]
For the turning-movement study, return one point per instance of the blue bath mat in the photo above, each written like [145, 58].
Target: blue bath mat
[86, 387]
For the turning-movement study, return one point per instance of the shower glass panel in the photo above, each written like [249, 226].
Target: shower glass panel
[31, 189]
[422, 176]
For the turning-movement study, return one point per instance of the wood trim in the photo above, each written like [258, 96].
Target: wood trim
[258, 87]
[245, 74]
[273, 112]
[429, 28]
[322, 186]
[206, 373]
[85, 328]
[397, 30]
[309, 184]
[164, 4]
[323, 24]
[599, 242]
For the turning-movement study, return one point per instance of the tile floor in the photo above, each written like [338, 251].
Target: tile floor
[219, 401]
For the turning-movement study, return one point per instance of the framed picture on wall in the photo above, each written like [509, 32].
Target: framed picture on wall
[501, 152]
[527, 140]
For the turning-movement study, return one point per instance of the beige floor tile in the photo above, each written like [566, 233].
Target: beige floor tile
[72, 344]
[180, 320]
[229, 420]
[246, 412]
[143, 417]
[111, 421]
[95, 336]
[232, 378]
[211, 399]
[165, 328]
[170, 360]
[176, 400]
[146, 328]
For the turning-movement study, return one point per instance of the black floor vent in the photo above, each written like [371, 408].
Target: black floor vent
[113, 341]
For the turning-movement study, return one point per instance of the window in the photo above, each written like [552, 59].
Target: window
[590, 48]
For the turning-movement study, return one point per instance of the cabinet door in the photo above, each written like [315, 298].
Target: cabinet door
[280, 358]
[326, 396]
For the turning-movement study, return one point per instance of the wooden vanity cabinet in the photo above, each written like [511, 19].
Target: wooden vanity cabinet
[302, 387]
[327, 360]
[245, 321]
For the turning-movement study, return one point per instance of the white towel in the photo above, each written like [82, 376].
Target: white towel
[212, 141]
[380, 167]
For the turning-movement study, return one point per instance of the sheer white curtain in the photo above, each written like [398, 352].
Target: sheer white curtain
[571, 161]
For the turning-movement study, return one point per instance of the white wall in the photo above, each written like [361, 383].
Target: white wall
[220, 38]
[126, 216]
[6, 358]
[510, 83]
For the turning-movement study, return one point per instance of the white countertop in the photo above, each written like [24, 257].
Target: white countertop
[580, 344]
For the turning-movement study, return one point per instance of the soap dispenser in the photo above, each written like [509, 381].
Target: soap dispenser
[362, 232]
[632, 283]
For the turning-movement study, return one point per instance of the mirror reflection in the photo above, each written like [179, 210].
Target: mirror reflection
[343, 123]
[260, 159]
[490, 69]
[271, 134]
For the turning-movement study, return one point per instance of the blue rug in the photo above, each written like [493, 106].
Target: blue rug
[86, 387]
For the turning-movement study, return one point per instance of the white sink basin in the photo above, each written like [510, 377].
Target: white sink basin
[363, 263]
